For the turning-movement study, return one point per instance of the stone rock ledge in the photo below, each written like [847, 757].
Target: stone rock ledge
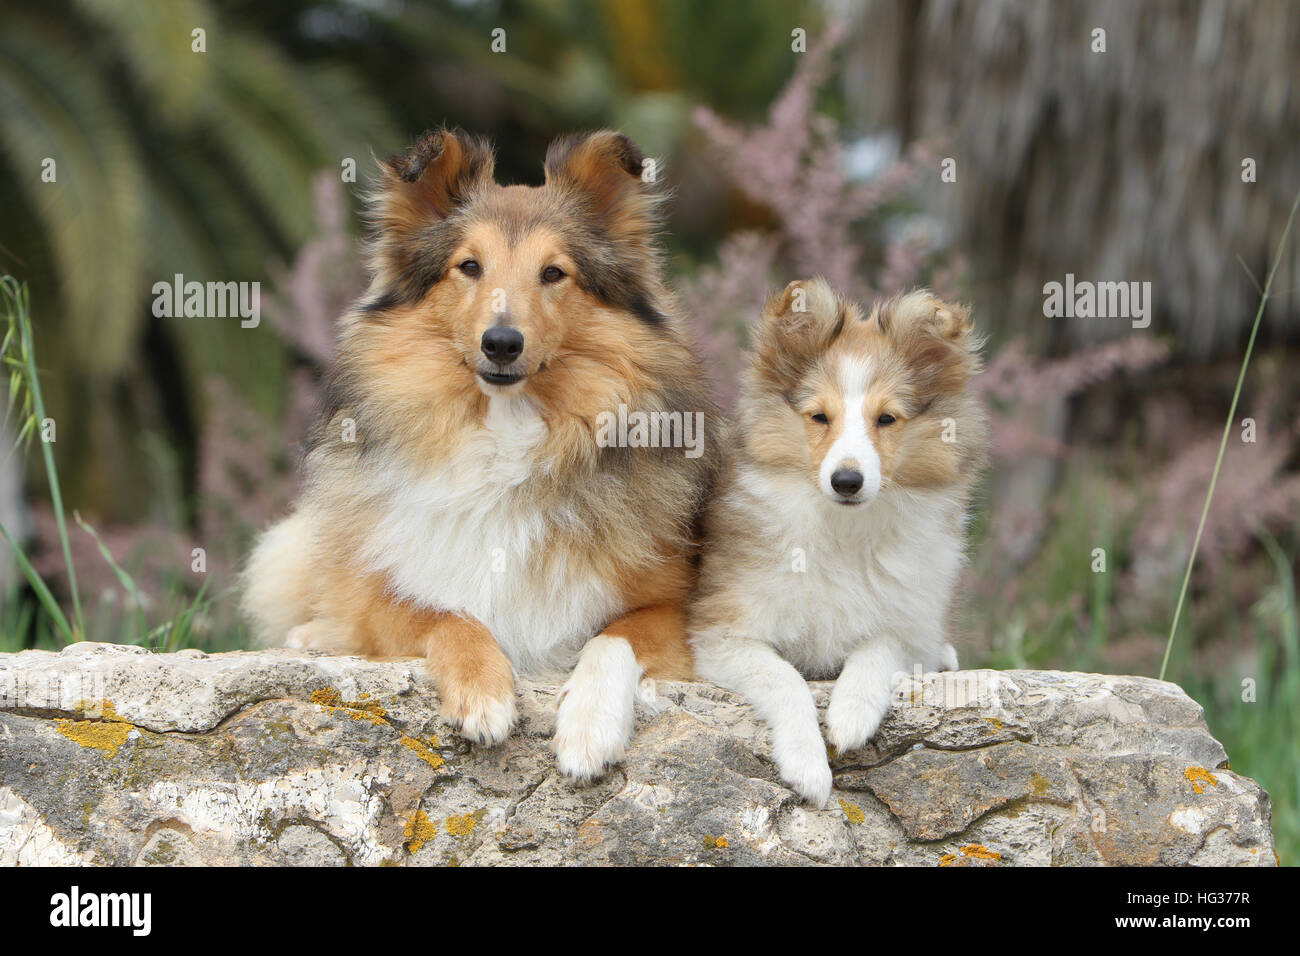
[113, 755]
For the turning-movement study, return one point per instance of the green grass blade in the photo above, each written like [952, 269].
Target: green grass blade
[42, 592]
[181, 633]
[1227, 430]
[125, 579]
[18, 317]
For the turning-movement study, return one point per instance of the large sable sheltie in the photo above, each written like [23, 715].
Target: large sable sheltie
[458, 504]
[836, 536]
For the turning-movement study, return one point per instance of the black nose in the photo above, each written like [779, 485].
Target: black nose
[502, 344]
[846, 481]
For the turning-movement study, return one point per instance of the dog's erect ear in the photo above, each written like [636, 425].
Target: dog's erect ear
[937, 340]
[611, 174]
[799, 323]
[427, 182]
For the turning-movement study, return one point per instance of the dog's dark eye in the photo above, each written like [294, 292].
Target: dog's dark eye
[471, 268]
[552, 274]
[885, 419]
[820, 418]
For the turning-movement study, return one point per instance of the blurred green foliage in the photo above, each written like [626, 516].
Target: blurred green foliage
[170, 160]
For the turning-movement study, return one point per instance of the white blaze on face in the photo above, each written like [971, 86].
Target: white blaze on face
[853, 449]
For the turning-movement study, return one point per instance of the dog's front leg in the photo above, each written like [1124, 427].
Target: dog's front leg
[782, 698]
[474, 678]
[596, 708]
[862, 694]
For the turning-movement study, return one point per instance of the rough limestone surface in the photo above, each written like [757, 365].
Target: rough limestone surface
[114, 755]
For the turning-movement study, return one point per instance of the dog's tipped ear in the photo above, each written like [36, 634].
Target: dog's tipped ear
[923, 312]
[427, 182]
[937, 338]
[611, 173]
[799, 323]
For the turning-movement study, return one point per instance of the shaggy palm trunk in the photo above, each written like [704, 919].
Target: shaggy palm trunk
[1118, 165]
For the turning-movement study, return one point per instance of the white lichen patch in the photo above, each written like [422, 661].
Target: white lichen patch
[646, 796]
[1189, 820]
[25, 840]
[337, 799]
[756, 828]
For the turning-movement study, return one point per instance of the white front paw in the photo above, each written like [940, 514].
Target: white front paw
[853, 718]
[596, 710]
[591, 734]
[801, 760]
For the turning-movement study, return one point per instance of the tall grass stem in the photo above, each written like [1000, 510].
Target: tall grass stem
[1227, 430]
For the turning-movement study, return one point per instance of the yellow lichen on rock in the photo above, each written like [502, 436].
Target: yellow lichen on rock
[974, 851]
[425, 753]
[1198, 775]
[107, 733]
[980, 852]
[852, 812]
[326, 697]
[461, 826]
[365, 709]
[362, 709]
[418, 830]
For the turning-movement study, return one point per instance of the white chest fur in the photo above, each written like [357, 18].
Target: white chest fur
[469, 537]
[833, 576]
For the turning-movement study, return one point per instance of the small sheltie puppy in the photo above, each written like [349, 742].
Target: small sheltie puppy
[834, 541]
[458, 502]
